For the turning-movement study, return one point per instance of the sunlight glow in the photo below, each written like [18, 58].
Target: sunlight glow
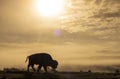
[49, 8]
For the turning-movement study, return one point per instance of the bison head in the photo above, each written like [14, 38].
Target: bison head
[54, 64]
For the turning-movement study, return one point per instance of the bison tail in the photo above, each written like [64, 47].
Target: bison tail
[26, 59]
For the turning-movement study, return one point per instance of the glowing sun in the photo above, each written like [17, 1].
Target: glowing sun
[49, 8]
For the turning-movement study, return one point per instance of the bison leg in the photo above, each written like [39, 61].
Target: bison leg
[45, 68]
[39, 67]
[28, 67]
[33, 67]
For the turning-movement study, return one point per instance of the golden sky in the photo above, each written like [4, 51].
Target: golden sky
[86, 32]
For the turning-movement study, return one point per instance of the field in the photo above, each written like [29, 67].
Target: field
[58, 75]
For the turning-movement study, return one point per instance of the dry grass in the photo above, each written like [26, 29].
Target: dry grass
[58, 75]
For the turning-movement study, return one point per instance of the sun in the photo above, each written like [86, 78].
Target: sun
[49, 8]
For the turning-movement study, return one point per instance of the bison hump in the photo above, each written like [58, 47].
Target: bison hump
[42, 56]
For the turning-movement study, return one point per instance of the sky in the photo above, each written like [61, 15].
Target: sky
[86, 33]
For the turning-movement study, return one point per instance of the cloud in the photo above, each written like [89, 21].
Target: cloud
[92, 18]
[92, 23]
[84, 15]
[109, 51]
[107, 15]
[46, 37]
[105, 57]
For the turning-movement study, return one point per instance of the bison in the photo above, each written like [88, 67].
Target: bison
[42, 60]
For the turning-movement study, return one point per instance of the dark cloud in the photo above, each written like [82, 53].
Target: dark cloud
[47, 37]
[110, 51]
[96, 58]
[112, 1]
[107, 15]
[98, 1]
[104, 57]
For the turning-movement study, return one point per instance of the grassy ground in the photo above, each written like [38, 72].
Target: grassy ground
[58, 75]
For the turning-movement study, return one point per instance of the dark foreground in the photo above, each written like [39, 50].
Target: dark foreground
[58, 75]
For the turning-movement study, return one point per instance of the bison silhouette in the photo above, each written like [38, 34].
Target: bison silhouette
[42, 60]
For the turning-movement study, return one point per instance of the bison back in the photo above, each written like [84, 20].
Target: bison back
[40, 58]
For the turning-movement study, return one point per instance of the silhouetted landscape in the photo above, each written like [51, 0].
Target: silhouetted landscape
[59, 39]
[20, 74]
[45, 61]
